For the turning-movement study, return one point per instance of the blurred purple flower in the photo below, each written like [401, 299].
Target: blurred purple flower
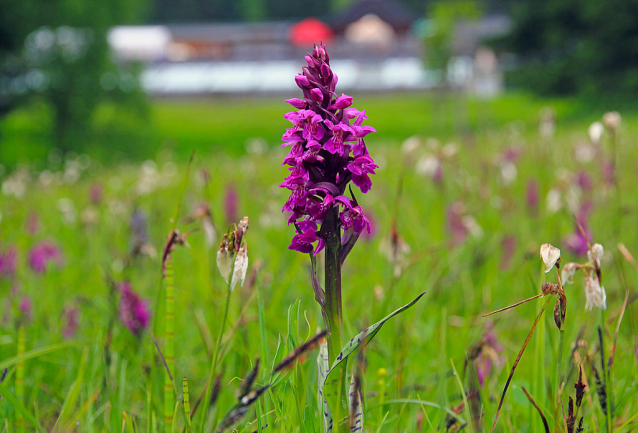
[134, 311]
[139, 229]
[231, 199]
[576, 243]
[33, 223]
[71, 318]
[43, 253]
[455, 226]
[509, 248]
[8, 262]
[96, 192]
[374, 228]
[583, 179]
[607, 167]
[532, 195]
[489, 354]
[327, 152]
[26, 307]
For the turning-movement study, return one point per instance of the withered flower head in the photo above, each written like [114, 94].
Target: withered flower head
[550, 256]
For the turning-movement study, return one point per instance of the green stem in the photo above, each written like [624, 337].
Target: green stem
[187, 404]
[333, 309]
[561, 345]
[169, 355]
[22, 342]
[213, 366]
[606, 371]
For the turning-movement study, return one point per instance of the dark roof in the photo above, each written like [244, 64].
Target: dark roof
[390, 11]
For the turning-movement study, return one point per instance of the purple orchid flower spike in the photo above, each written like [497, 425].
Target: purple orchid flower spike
[8, 262]
[327, 151]
[44, 253]
[303, 241]
[133, 311]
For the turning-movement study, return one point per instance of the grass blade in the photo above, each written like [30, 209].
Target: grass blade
[518, 358]
[540, 412]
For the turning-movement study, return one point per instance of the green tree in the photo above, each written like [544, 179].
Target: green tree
[58, 51]
[575, 46]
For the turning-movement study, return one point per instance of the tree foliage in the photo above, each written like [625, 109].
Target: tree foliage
[575, 46]
[57, 52]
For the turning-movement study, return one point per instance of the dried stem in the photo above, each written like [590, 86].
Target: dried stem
[540, 295]
[540, 412]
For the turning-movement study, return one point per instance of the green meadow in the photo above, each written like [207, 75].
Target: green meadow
[459, 212]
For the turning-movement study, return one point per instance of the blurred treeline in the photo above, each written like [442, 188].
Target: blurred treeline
[54, 54]
[584, 47]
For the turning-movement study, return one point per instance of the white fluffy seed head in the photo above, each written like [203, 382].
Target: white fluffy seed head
[595, 294]
[550, 255]
[567, 272]
[595, 254]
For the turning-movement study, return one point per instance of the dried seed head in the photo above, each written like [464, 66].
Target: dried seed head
[567, 273]
[560, 309]
[225, 256]
[580, 387]
[549, 288]
[550, 256]
[595, 254]
[241, 266]
[595, 294]
[612, 121]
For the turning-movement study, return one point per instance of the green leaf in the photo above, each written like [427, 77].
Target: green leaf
[19, 407]
[39, 352]
[367, 334]
[330, 386]
[322, 372]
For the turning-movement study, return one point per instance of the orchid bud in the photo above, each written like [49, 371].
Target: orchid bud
[317, 95]
[550, 256]
[297, 103]
[302, 81]
[343, 101]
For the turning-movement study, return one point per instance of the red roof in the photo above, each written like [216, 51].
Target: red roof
[310, 30]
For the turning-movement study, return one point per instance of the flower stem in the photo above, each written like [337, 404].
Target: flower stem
[333, 285]
[606, 371]
[169, 393]
[333, 307]
[19, 390]
[561, 345]
[213, 366]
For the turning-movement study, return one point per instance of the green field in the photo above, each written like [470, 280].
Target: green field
[104, 378]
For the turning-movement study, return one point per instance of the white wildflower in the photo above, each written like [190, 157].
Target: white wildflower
[428, 165]
[612, 121]
[595, 294]
[554, 202]
[596, 130]
[550, 255]
[567, 273]
[410, 145]
[596, 253]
